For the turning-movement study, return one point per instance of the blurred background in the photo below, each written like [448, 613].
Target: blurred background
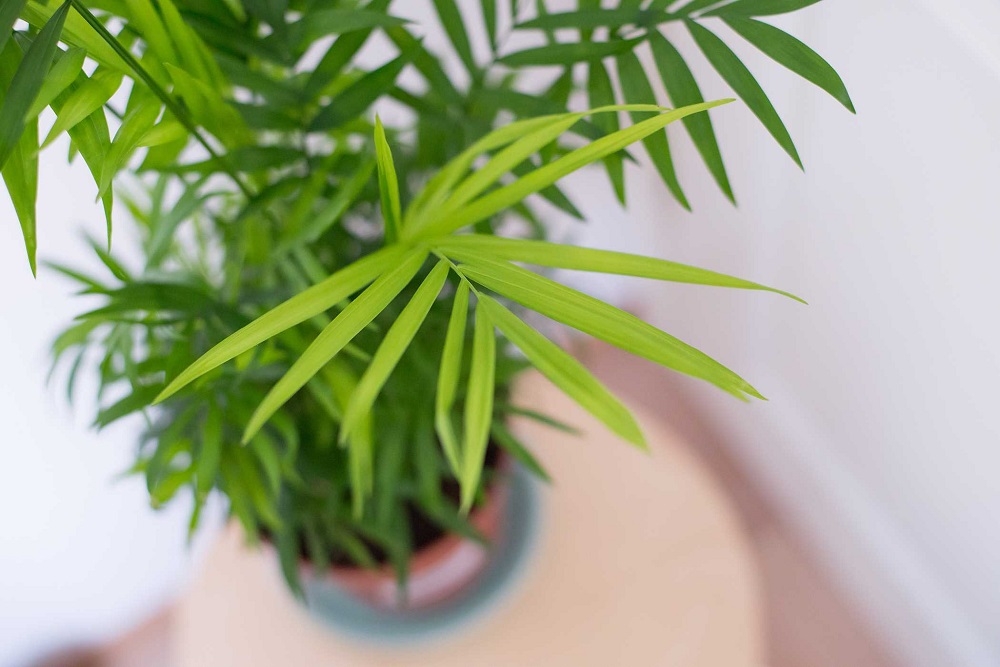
[867, 484]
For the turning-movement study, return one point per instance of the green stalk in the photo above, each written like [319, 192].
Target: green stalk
[175, 108]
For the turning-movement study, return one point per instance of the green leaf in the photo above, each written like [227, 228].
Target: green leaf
[318, 24]
[211, 452]
[478, 406]
[454, 27]
[84, 100]
[636, 89]
[601, 94]
[20, 175]
[388, 185]
[339, 55]
[489, 9]
[64, 72]
[27, 82]
[75, 32]
[449, 372]
[137, 122]
[504, 161]
[515, 448]
[9, 11]
[566, 373]
[739, 78]
[586, 18]
[391, 350]
[793, 54]
[336, 335]
[359, 96]
[760, 7]
[296, 310]
[683, 90]
[567, 53]
[330, 213]
[575, 258]
[603, 321]
[504, 197]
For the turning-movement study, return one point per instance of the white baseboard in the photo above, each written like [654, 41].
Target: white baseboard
[868, 557]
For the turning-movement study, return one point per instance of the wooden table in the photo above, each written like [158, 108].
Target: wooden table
[640, 563]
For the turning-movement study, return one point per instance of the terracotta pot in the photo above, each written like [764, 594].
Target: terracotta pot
[441, 570]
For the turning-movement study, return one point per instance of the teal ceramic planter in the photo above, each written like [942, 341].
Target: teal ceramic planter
[332, 605]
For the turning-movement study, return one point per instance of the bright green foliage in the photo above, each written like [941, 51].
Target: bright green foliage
[326, 317]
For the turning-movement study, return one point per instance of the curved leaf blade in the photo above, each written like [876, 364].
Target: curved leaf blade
[637, 89]
[793, 54]
[296, 310]
[335, 336]
[478, 406]
[739, 78]
[449, 372]
[603, 321]
[683, 90]
[566, 373]
[575, 258]
[390, 351]
[27, 82]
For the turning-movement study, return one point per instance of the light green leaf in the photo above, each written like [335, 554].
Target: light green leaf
[64, 71]
[355, 317]
[637, 89]
[478, 406]
[145, 18]
[76, 32]
[794, 55]
[506, 196]
[603, 321]
[683, 90]
[739, 78]
[388, 185]
[85, 100]
[296, 310]
[575, 258]
[449, 372]
[391, 350]
[27, 82]
[566, 373]
[333, 210]
[137, 122]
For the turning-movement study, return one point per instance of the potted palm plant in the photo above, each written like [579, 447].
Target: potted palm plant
[324, 314]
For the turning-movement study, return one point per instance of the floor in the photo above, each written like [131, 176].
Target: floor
[810, 624]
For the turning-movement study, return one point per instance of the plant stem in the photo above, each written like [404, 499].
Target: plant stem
[173, 105]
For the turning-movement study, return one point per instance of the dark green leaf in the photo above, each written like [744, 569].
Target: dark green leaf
[359, 96]
[760, 7]
[637, 90]
[567, 53]
[683, 90]
[794, 55]
[454, 27]
[602, 94]
[736, 74]
[28, 82]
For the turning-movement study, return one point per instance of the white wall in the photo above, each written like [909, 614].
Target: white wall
[880, 436]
